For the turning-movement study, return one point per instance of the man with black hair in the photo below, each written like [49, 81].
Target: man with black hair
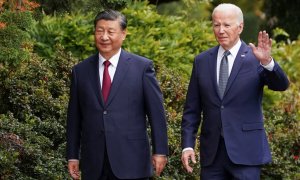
[114, 95]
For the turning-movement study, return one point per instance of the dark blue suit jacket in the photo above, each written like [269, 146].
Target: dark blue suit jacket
[240, 110]
[120, 126]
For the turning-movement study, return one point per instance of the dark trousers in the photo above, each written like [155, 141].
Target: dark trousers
[224, 169]
[107, 173]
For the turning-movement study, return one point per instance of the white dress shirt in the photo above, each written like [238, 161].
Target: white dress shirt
[112, 68]
[231, 57]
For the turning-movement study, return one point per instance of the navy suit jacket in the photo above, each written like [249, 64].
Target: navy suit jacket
[239, 112]
[120, 125]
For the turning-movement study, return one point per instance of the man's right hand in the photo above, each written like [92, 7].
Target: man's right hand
[73, 167]
[186, 157]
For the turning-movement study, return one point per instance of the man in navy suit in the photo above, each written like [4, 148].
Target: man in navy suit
[226, 98]
[114, 96]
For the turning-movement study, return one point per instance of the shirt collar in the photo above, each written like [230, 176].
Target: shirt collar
[113, 60]
[233, 51]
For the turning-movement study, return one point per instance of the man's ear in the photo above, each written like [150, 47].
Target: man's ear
[241, 27]
[124, 33]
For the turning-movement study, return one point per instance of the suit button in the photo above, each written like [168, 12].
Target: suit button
[222, 107]
[104, 112]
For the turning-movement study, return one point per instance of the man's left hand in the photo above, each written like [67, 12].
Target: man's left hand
[263, 50]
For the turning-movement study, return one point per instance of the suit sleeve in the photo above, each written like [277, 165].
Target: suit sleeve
[276, 80]
[155, 111]
[73, 121]
[192, 112]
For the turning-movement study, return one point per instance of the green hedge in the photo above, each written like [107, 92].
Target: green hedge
[38, 95]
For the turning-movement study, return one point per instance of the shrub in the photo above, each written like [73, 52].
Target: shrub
[38, 94]
[174, 89]
[73, 31]
[14, 37]
[282, 115]
[283, 128]
[170, 40]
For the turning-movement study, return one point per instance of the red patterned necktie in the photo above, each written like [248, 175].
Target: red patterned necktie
[106, 81]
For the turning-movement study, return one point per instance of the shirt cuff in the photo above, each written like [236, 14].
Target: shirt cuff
[269, 66]
[73, 160]
[188, 148]
[159, 155]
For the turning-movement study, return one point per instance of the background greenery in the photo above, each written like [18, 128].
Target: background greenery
[40, 44]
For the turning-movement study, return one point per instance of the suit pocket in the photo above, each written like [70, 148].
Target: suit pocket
[137, 136]
[253, 126]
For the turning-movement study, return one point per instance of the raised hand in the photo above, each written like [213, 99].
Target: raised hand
[263, 50]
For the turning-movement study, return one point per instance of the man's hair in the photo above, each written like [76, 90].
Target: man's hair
[230, 7]
[111, 15]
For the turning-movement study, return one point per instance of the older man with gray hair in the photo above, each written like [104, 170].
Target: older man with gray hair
[225, 96]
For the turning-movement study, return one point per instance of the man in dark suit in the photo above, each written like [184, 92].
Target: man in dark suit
[114, 96]
[225, 95]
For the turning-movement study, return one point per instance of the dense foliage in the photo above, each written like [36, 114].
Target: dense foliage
[283, 116]
[284, 14]
[63, 6]
[34, 84]
[73, 31]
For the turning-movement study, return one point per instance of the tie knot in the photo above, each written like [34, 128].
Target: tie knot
[106, 63]
[226, 53]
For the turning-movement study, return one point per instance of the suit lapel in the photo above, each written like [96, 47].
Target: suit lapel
[212, 66]
[95, 79]
[120, 73]
[238, 62]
